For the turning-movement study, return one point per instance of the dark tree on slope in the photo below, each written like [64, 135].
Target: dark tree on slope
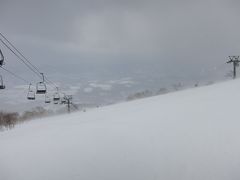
[8, 120]
[162, 91]
[35, 113]
[139, 95]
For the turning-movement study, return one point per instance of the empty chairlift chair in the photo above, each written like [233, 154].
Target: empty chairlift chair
[56, 97]
[47, 99]
[41, 86]
[1, 58]
[31, 93]
[2, 86]
[63, 99]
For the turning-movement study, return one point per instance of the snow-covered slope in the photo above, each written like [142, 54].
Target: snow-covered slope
[188, 135]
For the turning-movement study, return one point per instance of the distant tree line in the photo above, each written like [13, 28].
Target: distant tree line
[9, 119]
[163, 90]
[148, 93]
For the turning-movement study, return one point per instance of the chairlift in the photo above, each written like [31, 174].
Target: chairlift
[1, 59]
[2, 86]
[47, 99]
[56, 97]
[31, 93]
[41, 86]
[63, 99]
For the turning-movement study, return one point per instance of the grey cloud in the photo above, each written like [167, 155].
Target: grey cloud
[189, 33]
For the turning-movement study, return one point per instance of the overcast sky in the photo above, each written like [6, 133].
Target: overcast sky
[175, 36]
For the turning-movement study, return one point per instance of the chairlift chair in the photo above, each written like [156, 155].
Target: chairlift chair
[47, 99]
[31, 93]
[1, 58]
[63, 99]
[2, 86]
[41, 86]
[56, 97]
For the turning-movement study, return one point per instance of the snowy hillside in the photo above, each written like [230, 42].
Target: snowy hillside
[188, 135]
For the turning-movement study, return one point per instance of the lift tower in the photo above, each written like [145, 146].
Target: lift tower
[235, 61]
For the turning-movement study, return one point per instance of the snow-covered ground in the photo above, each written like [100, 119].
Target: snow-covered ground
[188, 135]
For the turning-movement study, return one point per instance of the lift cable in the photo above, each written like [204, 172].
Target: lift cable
[30, 65]
[26, 61]
[15, 75]
[34, 71]
[20, 53]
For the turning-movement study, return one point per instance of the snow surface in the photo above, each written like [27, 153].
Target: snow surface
[188, 135]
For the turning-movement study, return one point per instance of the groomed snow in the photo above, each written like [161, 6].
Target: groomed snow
[188, 135]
